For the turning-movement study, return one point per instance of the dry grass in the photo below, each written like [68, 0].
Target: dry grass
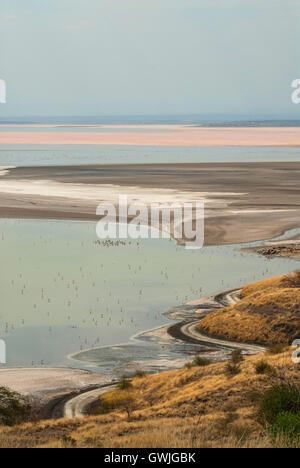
[197, 407]
[269, 313]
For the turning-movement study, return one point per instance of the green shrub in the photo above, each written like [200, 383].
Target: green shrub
[236, 356]
[68, 442]
[200, 362]
[140, 374]
[14, 409]
[188, 365]
[279, 399]
[286, 425]
[232, 369]
[276, 349]
[123, 400]
[262, 367]
[124, 383]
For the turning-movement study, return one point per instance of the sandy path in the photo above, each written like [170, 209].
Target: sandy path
[224, 299]
[191, 330]
[189, 318]
[76, 407]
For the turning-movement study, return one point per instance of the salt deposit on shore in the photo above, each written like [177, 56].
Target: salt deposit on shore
[45, 382]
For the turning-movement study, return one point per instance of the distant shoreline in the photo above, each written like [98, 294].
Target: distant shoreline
[173, 135]
[188, 120]
[191, 314]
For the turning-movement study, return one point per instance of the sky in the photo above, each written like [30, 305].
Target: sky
[150, 57]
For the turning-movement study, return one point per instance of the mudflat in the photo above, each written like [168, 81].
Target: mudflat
[44, 383]
[244, 201]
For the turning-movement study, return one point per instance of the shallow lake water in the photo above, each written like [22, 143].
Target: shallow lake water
[62, 292]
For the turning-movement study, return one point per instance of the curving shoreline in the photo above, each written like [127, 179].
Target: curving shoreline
[186, 331]
[191, 314]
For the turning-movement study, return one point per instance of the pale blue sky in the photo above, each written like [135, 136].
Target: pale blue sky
[110, 57]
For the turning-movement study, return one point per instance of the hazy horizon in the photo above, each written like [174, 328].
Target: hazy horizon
[162, 119]
[130, 58]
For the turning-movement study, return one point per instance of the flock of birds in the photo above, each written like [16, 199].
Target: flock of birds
[96, 288]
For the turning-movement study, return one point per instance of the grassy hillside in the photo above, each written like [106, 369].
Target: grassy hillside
[192, 407]
[269, 313]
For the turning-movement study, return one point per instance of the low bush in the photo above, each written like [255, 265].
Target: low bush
[232, 369]
[287, 425]
[14, 408]
[276, 349]
[124, 384]
[200, 362]
[277, 400]
[262, 367]
[140, 374]
[68, 442]
[123, 400]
